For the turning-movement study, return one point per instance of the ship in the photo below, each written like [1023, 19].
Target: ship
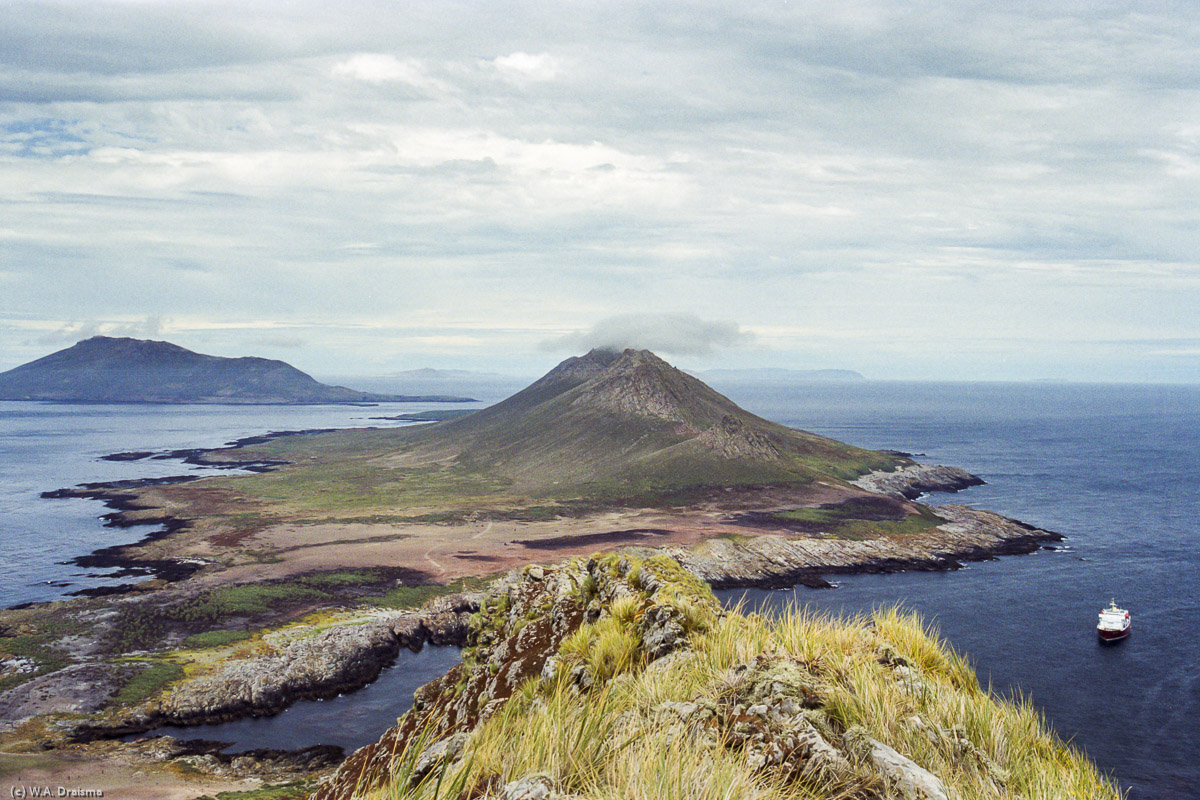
[1114, 623]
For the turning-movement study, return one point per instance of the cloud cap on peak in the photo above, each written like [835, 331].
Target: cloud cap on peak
[677, 334]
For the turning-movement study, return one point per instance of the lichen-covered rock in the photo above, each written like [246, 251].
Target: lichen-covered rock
[661, 631]
[774, 680]
[767, 713]
[533, 787]
[913, 781]
[441, 752]
[77, 689]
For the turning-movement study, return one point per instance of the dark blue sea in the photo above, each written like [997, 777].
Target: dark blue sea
[1114, 468]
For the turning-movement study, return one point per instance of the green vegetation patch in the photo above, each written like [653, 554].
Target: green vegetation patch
[357, 485]
[145, 625]
[346, 578]
[416, 596]
[148, 682]
[37, 644]
[228, 614]
[856, 519]
[911, 525]
[209, 639]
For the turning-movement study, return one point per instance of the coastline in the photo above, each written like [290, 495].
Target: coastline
[771, 562]
[122, 498]
[354, 651]
[763, 561]
[774, 562]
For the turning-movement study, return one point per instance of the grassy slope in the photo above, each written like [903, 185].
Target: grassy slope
[609, 742]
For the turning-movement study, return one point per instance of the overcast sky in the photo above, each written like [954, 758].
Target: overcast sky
[941, 190]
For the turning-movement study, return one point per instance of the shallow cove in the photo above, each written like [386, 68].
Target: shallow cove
[349, 720]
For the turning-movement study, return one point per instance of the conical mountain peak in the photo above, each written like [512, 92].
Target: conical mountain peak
[637, 382]
[616, 421]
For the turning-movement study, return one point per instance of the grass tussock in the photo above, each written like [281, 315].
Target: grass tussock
[887, 676]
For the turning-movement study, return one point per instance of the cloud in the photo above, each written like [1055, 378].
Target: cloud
[527, 66]
[73, 331]
[677, 334]
[380, 68]
[920, 173]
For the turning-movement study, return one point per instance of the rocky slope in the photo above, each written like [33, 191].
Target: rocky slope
[518, 636]
[619, 677]
[108, 370]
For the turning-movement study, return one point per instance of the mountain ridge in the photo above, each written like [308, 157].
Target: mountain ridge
[106, 369]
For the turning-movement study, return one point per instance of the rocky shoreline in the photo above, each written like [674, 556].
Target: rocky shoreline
[913, 480]
[347, 657]
[339, 659]
[121, 498]
[776, 562]
[199, 456]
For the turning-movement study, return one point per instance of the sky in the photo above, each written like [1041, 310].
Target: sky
[945, 190]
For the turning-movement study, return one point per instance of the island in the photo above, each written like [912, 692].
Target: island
[568, 539]
[104, 369]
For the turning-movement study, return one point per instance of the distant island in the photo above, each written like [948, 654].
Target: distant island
[103, 369]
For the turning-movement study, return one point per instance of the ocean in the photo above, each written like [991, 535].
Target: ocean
[1113, 468]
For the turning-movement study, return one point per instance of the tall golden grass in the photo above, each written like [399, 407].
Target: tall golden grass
[606, 743]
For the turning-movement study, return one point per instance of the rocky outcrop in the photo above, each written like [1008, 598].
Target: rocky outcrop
[77, 689]
[779, 561]
[813, 712]
[338, 659]
[913, 781]
[911, 481]
[772, 711]
[517, 635]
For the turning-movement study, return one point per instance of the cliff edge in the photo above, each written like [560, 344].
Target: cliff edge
[619, 677]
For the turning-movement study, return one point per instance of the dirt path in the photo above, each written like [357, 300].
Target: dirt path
[440, 569]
